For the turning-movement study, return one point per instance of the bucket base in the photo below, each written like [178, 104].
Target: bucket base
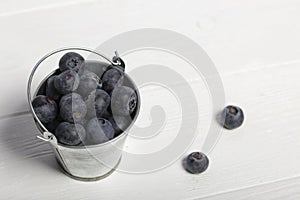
[89, 179]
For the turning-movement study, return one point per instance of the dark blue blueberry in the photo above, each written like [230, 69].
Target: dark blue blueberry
[70, 61]
[97, 103]
[70, 134]
[96, 67]
[196, 163]
[51, 90]
[66, 82]
[45, 108]
[83, 122]
[88, 83]
[72, 108]
[112, 78]
[120, 123]
[99, 130]
[106, 115]
[233, 117]
[51, 126]
[123, 101]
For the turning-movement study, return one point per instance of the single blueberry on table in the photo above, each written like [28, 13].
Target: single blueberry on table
[99, 130]
[112, 78]
[70, 61]
[51, 90]
[97, 103]
[72, 108]
[66, 82]
[70, 134]
[196, 163]
[88, 83]
[233, 117]
[45, 108]
[123, 101]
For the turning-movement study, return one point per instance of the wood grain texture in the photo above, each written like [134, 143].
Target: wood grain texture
[283, 189]
[255, 46]
[253, 155]
[15, 7]
[234, 37]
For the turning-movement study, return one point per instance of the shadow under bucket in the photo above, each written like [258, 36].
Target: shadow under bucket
[90, 162]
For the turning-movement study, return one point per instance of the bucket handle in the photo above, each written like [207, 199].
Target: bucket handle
[48, 136]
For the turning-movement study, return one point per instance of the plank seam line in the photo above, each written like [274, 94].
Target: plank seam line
[57, 5]
[261, 66]
[247, 188]
[14, 115]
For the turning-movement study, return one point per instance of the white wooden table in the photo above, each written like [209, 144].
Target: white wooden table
[255, 46]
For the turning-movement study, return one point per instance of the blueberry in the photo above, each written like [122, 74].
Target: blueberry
[70, 60]
[51, 126]
[123, 101]
[88, 83]
[106, 114]
[45, 108]
[84, 121]
[120, 123]
[66, 82]
[51, 90]
[70, 134]
[72, 108]
[97, 103]
[233, 117]
[196, 163]
[99, 130]
[111, 79]
[96, 67]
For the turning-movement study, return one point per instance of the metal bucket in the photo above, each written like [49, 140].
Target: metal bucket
[86, 163]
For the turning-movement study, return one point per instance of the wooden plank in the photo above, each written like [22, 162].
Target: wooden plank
[14, 7]
[254, 45]
[264, 150]
[282, 189]
[33, 34]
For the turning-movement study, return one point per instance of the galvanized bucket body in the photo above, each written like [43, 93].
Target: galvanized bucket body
[86, 163]
[90, 163]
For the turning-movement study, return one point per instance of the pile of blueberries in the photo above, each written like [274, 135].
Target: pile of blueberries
[85, 102]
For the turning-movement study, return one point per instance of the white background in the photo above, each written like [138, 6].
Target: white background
[255, 47]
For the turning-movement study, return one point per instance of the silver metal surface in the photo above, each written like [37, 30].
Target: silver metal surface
[87, 163]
